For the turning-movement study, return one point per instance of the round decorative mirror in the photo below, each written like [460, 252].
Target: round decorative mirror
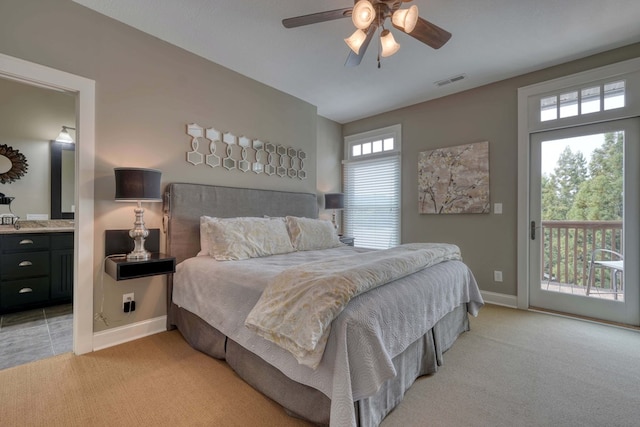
[15, 167]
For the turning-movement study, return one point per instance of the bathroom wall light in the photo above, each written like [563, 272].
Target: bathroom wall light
[64, 136]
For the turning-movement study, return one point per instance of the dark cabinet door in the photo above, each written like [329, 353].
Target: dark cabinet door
[62, 274]
[62, 266]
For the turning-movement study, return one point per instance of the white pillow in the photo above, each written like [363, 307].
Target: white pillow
[310, 234]
[204, 237]
[246, 237]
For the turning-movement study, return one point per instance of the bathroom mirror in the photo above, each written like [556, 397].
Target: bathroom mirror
[63, 161]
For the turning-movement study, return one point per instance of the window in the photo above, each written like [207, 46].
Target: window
[584, 101]
[372, 188]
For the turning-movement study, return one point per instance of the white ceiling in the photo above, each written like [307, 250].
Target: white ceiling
[492, 40]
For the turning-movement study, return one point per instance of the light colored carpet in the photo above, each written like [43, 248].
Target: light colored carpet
[155, 381]
[514, 368]
[518, 368]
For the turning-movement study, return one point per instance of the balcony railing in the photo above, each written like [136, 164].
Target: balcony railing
[567, 247]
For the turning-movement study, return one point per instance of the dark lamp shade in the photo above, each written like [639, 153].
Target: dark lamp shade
[137, 184]
[334, 201]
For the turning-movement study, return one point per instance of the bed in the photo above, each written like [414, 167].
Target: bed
[377, 346]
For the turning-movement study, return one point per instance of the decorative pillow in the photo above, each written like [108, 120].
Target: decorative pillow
[204, 236]
[246, 237]
[308, 234]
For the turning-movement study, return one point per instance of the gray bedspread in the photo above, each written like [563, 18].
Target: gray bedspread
[375, 327]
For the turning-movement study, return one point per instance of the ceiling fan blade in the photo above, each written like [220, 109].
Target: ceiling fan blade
[428, 33]
[314, 18]
[354, 59]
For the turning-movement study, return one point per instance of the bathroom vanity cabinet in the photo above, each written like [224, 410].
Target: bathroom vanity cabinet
[36, 270]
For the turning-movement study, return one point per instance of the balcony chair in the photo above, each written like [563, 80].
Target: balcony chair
[615, 265]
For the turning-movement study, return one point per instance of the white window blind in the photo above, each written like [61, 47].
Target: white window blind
[372, 201]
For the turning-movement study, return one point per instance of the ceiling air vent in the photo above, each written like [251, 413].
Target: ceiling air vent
[450, 80]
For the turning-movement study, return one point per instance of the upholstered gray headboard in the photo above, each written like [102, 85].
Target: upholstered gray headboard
[186, 203]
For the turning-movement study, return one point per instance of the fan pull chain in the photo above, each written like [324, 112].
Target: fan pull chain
[379, 47]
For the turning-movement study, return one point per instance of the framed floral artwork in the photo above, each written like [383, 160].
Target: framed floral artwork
[454, 180]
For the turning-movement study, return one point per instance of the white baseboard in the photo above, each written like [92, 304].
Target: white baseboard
[134, 331]
[500, 299]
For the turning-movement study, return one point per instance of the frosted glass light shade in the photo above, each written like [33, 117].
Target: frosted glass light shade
[406, 18]
[389, 45]
[64, 136]
[363, 14]
[355, 41]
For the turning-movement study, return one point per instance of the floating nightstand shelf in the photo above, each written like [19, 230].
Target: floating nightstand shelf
[120, 268]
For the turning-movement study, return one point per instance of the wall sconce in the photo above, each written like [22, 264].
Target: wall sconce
[64, 136]
[334, 201]
[138, 185]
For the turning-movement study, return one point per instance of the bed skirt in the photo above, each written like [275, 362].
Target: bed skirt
[421, 358]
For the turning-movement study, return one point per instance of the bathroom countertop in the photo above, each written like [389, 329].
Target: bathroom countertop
[40, 226]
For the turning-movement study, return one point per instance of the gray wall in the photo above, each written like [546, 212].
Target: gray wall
[147, 91]
[489, 113]
[329, 160]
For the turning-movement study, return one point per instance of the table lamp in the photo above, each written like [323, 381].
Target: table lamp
[334, 201]
[138, 185]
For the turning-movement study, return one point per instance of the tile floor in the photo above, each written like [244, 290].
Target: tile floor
[35, 334]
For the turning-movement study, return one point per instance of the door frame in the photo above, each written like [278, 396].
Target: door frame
[84, 89]
[528, 123]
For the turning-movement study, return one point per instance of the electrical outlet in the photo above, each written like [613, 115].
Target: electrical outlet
[128, 302]
[497, 276]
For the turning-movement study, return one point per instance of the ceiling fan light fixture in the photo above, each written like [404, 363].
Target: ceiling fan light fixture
[363, 14]
[388, 43]
[356, 40]
[406, 18]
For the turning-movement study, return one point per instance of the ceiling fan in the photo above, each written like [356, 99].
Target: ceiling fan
[369, 16]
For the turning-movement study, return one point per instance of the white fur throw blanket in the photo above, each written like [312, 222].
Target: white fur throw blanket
[296, 309]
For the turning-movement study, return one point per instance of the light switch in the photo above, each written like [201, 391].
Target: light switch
[497, 208]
